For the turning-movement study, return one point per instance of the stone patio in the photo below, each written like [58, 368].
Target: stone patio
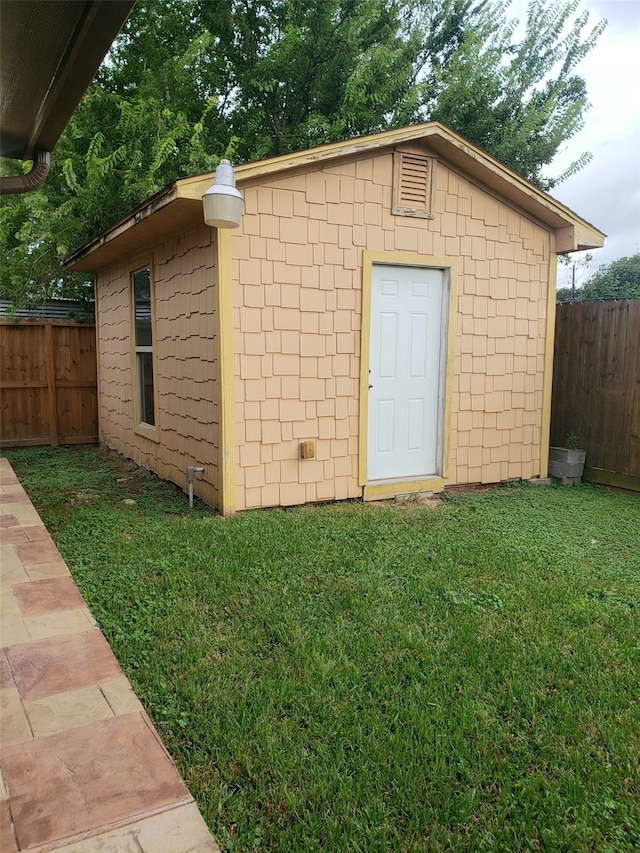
[82, 767]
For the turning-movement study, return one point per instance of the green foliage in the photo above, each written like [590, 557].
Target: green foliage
[617, 280]
[572, 441]
[185, 77]
[373, 677]
[37, 231]
[519, 101]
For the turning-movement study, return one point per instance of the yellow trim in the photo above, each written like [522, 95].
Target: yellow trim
[98, 393]
[195, 187]
[548, 362]
[410, 487]
[450, 269]
[448, 388]
[410, 259]
[152, 433]
[147, 432]
[365, 344]
[224, 306]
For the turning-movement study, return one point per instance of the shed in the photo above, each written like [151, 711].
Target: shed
[381, 323]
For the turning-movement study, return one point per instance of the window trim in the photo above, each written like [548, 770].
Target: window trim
[150, 431]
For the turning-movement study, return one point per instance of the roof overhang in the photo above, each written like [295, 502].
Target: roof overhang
[184, 197]
[49, 53]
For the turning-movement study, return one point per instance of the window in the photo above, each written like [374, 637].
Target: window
[143, 341]
[413, 185]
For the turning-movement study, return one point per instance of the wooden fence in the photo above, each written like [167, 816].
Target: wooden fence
[596, 387]
[48, 383]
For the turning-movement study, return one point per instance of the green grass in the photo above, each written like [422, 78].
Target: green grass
[373, 678]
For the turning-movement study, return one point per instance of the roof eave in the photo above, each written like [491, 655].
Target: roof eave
[451, 146]
[572, 232]
[85, 39]
[84, 259]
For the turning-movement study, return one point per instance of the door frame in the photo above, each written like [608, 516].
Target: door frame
[389, 488]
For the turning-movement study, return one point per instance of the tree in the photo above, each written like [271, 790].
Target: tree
[302, 72]
[189, 81]
[134, 131]
[518, 101]
[617, 280]
[570, 294]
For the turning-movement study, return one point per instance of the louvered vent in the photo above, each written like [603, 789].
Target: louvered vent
[413, 185]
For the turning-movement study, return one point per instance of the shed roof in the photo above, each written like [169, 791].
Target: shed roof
[179, 205]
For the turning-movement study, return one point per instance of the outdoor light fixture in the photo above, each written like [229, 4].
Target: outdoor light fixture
[222, 202]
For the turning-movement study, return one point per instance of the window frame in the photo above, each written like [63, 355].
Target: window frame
[140, 426]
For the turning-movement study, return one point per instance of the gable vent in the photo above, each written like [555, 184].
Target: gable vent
[413, 184]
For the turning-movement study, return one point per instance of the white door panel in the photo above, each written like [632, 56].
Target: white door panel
[404, 380]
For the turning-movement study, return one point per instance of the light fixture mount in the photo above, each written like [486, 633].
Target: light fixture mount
[222, 202]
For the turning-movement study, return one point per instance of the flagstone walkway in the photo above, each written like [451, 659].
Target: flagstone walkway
[82, 768]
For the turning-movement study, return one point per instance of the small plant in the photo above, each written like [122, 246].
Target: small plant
[572, 441]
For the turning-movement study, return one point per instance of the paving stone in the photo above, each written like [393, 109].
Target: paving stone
[14, 535]
[48, 570]
[13, 570]
[13, 631]
[47, 595]
[82, 770]
[59, 624]
[25, 514]
[4, 794]
[9, 606]
[118, 841]
[67, 710]
[61, 663]
[180, 830]
[13, 720]
[33, 553]
[37, 533]
[89, 779]
[8, 500]
[12, 488]
[120, 696]
[6, 678]
[8, 842]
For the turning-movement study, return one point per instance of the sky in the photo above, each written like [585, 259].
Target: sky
[607, 191]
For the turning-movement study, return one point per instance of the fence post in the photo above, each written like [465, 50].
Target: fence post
[51, 384]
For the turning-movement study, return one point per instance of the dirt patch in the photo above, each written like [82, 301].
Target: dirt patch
[411, 501]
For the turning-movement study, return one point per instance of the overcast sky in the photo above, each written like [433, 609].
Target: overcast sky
[606, 192]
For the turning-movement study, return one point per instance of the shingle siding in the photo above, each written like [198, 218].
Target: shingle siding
[298, 319]
[186, 347]
[297, 270]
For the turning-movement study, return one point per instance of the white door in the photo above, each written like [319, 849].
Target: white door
[405, 372]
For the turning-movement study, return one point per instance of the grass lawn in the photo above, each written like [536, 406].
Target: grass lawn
[357, 677]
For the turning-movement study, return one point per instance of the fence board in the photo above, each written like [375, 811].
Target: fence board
[596, 384]
[48, 383]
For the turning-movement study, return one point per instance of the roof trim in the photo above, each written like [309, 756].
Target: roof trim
[572, 232]
[50, 53]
